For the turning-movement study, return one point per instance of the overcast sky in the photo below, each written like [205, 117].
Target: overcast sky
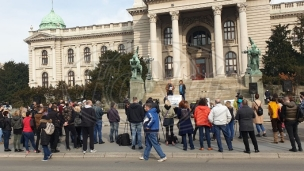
[16, 17]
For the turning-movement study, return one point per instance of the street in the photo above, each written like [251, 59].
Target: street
[174, 164]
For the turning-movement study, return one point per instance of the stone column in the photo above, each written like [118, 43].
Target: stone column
[79, 60]
[153, 47]
[176, 45]
[53, 63]
[244, 37]
[95, 54]
[219, 56]
[33, 67]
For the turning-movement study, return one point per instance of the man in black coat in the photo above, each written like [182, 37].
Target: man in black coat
[53, 114]
[88, 118]
[245, 117]
[136, 116]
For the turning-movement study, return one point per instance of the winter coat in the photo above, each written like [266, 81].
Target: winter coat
[88, 117]
[170, 111]
[55, 118]
[68, 115]
[258, 119]
[219, 115]
[98, 112]
[7, 124]
[135, 113]
[16, 122]
[185, 124]
[113, 115]
[245, 117]
[27, 125]
[289, 111]
[37, 117]
[273, 108]
[151, 121]
[44, 138]
[201, 114]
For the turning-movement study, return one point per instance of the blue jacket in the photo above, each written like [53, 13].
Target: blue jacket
[151, 121]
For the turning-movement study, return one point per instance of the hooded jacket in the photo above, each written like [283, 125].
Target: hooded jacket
[289, 111]
[219, 115]
[170, 111]
[88, 117]
[113, 115]
[201, 114]
[151, 123]
[273, 108]
[17, 122]
[135, 113]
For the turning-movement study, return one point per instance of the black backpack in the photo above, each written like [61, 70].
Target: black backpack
[260, 110]
[124, 139]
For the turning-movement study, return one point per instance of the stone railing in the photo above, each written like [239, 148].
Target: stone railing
[287, 7]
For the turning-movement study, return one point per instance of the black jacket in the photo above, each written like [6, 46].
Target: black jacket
[45, 139]
[88, 117]
[245, 117]
[55, 118]
[7, 124]
[154, 105]
[113, 115]
[135, 113]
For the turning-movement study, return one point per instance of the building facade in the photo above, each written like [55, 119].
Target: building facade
[187, 39]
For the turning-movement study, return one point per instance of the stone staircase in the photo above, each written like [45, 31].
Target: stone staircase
[213, 88]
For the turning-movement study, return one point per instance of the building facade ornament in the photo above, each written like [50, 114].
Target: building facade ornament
[242, 7]
[153, 17]
[207, 19]
[174, 15]
[217, 10]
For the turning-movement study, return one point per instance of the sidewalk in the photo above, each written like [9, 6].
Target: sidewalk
[267, 149]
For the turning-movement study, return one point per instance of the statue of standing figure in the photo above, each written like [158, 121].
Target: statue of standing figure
[254, 58]
[136, 68]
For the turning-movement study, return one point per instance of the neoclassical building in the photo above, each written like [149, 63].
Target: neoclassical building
[187, 39]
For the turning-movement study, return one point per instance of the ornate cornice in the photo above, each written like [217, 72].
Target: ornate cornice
[153, 17]
[285, 15]
[174, 15]
[208, 19]
[148, 2]
[138, 11]
[242, 7]
[217, 10]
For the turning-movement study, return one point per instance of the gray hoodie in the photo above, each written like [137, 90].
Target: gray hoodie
[16, 122]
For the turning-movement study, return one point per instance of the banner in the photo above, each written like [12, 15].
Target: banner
[175, 99]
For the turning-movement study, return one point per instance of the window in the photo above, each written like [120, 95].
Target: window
[87, 55]
[169, 67]
[121, 48]
[103, 49]
[230, 63]
[229, 30]
[45, 80]
[168, 36]
[70, 56]
[199, 38]
[71, 78]
[44, 57]
[87, 77]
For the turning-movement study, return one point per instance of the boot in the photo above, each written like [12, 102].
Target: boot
[282, 137]
[275, 137]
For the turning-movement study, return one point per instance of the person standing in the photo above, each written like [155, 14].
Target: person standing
[289, 115]
[68, 124]
[201, 114]
[220, 117]
[114, 120]
[98, 125]
[168, 115]
[182, 89]
[37, 118]
[88, 118]
[7, 129]
[273, 111]
[267, 96]
[53, 114]
[45, 138]
[170, 88]
[136, 116]
[258, 120]
[151, 128]
[28, 132]
[230, 125]
[77, 124]
[17, 130]
[245, 117]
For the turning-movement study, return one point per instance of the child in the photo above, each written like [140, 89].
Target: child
[45, 138]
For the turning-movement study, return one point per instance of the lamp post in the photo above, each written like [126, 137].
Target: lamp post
[148, 61]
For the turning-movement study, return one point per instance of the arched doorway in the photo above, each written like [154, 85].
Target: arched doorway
[199, 50]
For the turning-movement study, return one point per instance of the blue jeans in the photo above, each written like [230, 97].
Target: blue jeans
[184, 139]
[29, 136]
[136, 132]
[46, 152]
[183, 95]
[113, 130]
[230, 129]
[151, 140]
[98, 130]
[6, 136]
[202, 134]
[218, 129]
[260, 128]
[1, 133]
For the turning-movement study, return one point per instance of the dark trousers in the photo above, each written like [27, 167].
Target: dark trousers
[88, 131]
[276, 125]
[253, 139]
[78, 130]
[292, 130]
[38, 132]
[55, 139]
[167, 132]
[194, 132]
[67, 130]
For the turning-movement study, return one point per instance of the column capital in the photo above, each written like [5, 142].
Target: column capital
[153, 17]
[217, 10]
[32, 48]
[53, 47]
[242, 7]
[174, 15]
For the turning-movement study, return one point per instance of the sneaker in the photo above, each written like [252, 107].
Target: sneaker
[162, 159]
[133, 147]
[50, 156]
[140, 148]
[210, 148]
[141, 158]
[27, 152]
[44, 160]
[258, 135]
[84, 152]
[93, 151]
[264, 135]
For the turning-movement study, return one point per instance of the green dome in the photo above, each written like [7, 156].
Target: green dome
[52, 21]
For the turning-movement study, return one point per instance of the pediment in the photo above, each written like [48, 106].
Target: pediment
[39, 36]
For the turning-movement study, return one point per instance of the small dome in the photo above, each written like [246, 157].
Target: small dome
[52, 21]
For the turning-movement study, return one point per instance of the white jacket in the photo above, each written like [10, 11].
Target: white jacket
[219, 115]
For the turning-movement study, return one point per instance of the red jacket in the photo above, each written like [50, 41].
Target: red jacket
[201, 116]
[27, 124]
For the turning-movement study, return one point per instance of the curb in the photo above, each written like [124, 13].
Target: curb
[260, 155]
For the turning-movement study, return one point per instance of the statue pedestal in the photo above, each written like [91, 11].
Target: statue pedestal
[258, 79]
[150, 84]
[137, 89]
[246, 79]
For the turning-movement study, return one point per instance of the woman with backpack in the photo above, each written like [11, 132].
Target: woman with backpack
[259, 119]
[185, 124]
[17, 130]
[45, 138]
[168, 114]
[77, 124]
